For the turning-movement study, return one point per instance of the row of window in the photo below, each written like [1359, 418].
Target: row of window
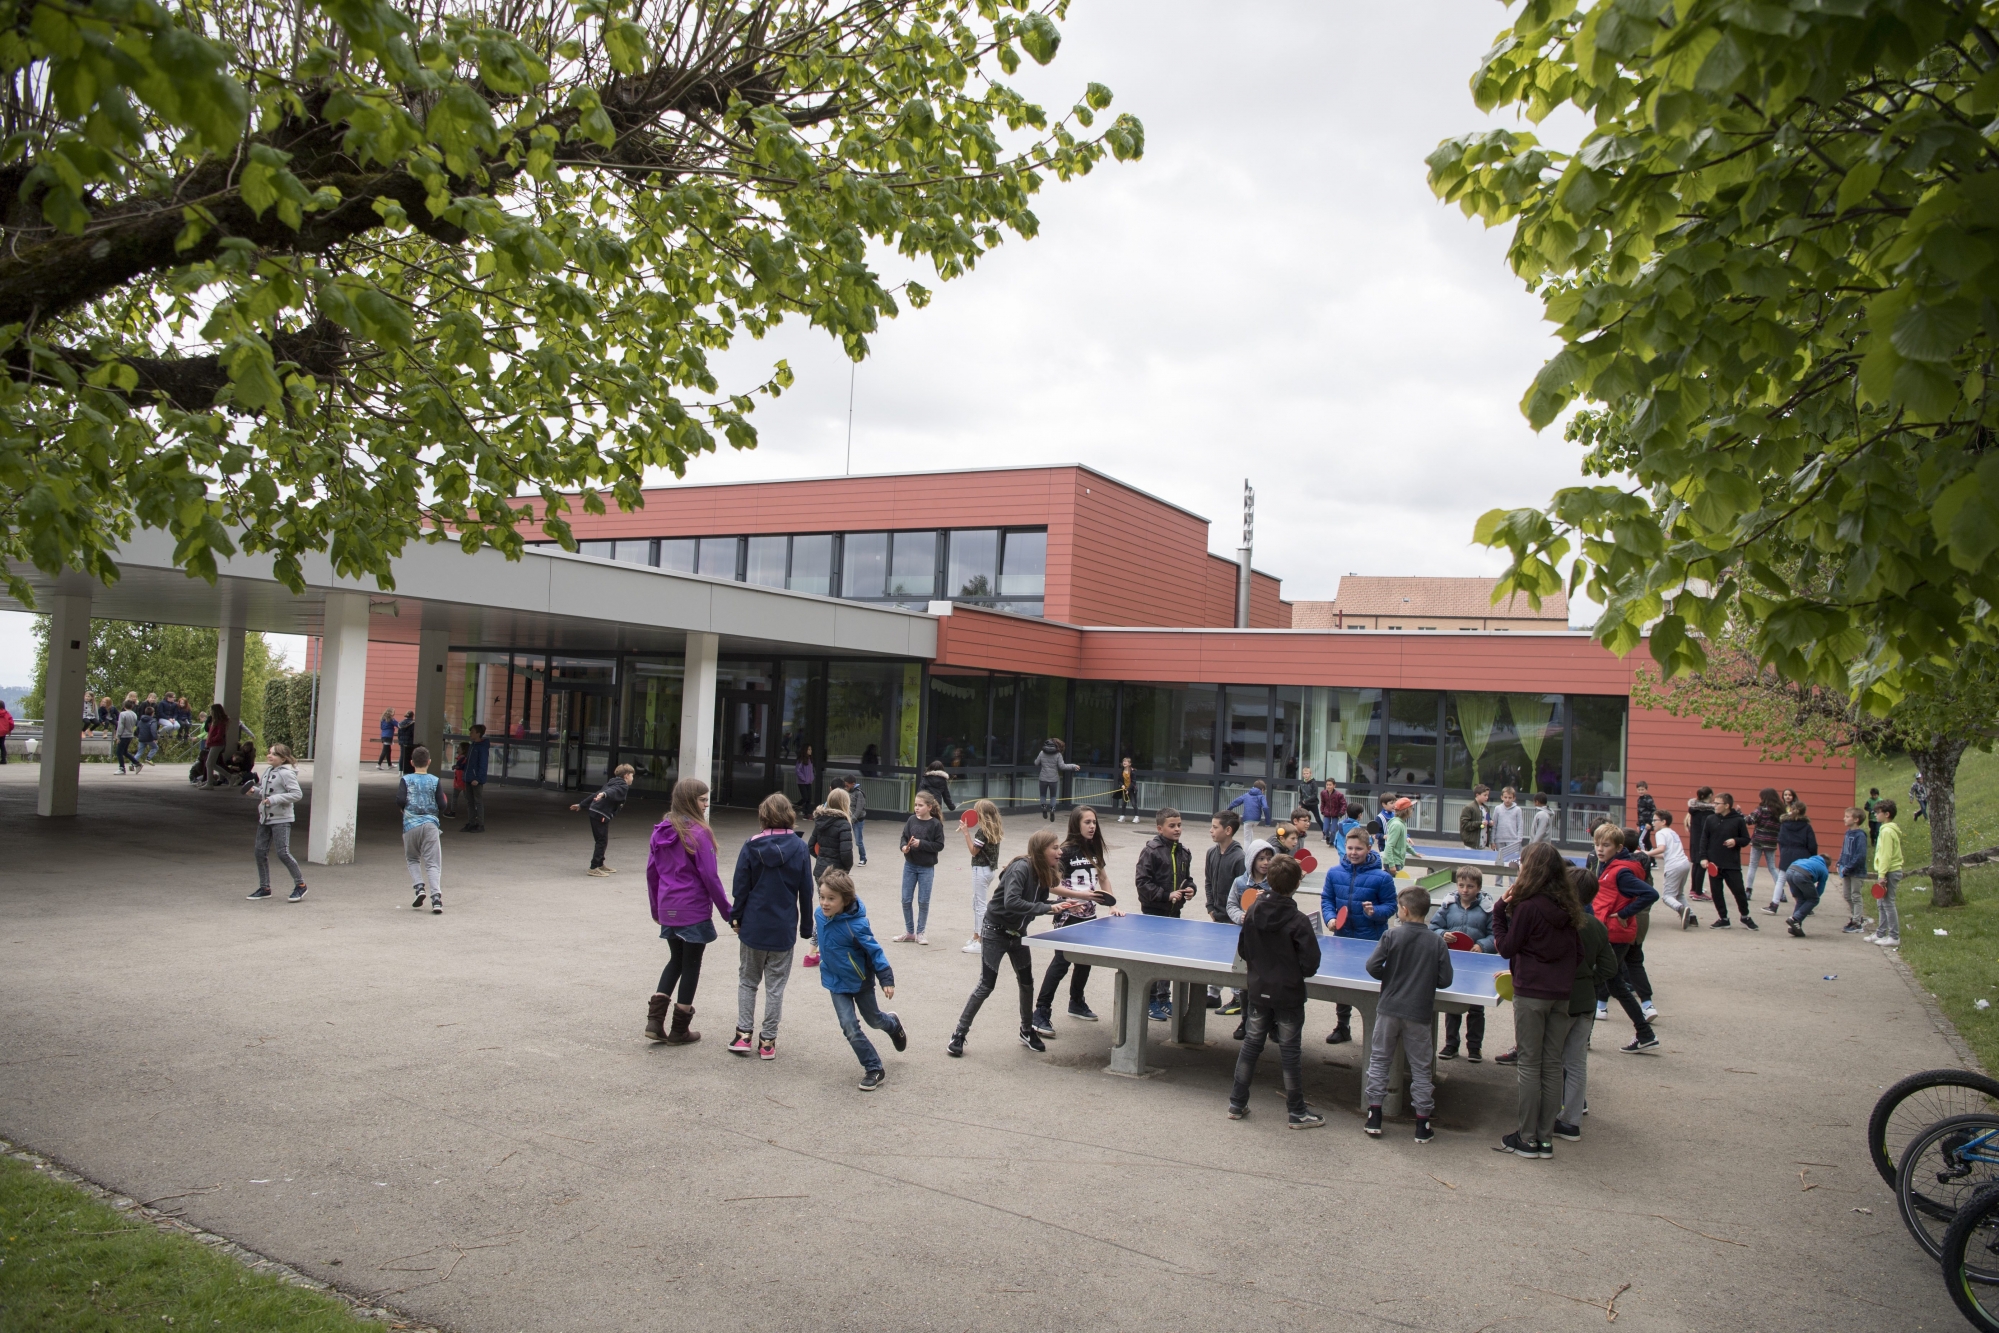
[1005, 568]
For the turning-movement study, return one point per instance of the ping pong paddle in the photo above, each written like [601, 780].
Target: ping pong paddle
[1457, 939]
[1104, 898]
[1503, 983]
[1249, 897]
[1340, 920]
[1306, 861]
[1880, 890]
[968, 816]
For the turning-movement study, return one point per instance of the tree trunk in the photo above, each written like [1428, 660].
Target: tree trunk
[1938, 762]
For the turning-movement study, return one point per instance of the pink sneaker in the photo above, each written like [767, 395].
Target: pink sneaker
[741, 1045]
[812, 960]
[767, 1049]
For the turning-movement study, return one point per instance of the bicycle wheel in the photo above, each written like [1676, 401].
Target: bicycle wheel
[1919, 1101]
[1943, 1168]
[1971, 1260]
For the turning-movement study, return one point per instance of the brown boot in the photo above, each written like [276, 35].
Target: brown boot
[683, 1014]
[656, 1015]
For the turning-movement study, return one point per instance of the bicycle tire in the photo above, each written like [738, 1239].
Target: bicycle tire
[1974, 1283]
[1917, 1102]
[1934, 1182]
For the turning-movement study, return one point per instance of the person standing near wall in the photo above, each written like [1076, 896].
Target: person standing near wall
[857, 805]
[477, 755]
[387, 726]
[685, 887]
[1700, 810]
[808, 779]
[127, 732]
[1509, 834]
[277, 793]
[406, 741]
[1049, 766]
[214, 744]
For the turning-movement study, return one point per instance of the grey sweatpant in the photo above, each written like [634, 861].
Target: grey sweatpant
[1856, 896]
[772, 967]
[1889, 922]
[1575, 1068]
[1541, 1028]
[1419, 1045]
[423, 852]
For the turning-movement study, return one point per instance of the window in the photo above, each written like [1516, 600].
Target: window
[1246, 742]
[1412, 738]
[864, 567]
[1170, 727]
[1596, 746]
[913, 566]
[718, 557]
[764, 563]
[634, 552]
[679, 554]
[974, 570]
[1024, 565]
[601, 550]
[811, 564]
[1095, 725]
[958, 718]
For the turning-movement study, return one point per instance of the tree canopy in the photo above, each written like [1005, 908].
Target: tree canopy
[342, 274]
[1773, 264]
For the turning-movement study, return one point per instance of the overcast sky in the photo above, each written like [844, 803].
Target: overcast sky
[1272, 293]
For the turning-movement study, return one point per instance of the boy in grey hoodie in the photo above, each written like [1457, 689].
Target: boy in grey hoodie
[1412, 963]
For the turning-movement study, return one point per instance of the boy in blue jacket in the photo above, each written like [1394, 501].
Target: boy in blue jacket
[771, 909]
[1853, 851]
[1255, 804]
[1359, 903]
[1806, 878]
[850, 962]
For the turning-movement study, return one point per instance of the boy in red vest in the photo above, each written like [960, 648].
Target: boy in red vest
[1621, 894]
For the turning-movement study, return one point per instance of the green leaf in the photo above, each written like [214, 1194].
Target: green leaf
[1934, 332]
[1039, 37]
[1857, 185]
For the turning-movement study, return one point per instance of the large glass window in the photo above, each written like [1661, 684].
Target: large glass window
[864, 564]
[718, 557]
[913, 566]
[1246, 745]
[632, 552]
[680, 554]
[1024, 571]
[1095, 725]
[1596, 746]
[1353, 735]
[1000, 738]
[958, 718]
[1412, 738]
[600, 550]
[649, 715]
[974, 563]
[1287, 730]
[861, 710]
[1044, 714]
[1504, 740]
[811, 564]
[764, 563]
[1170, 727]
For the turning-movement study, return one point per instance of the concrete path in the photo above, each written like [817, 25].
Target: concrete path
[457, 1115]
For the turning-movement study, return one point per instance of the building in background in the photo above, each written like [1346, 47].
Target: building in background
[1424, 604]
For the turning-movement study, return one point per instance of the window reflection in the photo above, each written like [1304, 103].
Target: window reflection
[865, 564]
[811, 564]
[913, 565]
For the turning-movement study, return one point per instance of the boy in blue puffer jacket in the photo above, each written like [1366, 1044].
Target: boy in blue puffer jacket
[1255, 804]
[1359, 903]
[850, 962]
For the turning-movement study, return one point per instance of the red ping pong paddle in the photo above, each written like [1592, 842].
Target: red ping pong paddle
[1457, 939]
[968, 816]
[1880, 890]
[1340, 920]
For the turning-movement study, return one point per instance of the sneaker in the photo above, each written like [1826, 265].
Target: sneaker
[1030, 1040]
[904, 938]
[972, 946]
[1373, 1126]
[1241, 1030]
[1688, 920]
[1338, 1035]
[1448, 1053]
[812, 960]
[437, 907]
[873, 1079]
[297, 894]
[1647, 1008]
[1750, 922]
[1890, 941]
[1471, 1054]
[1640, 1046]
[419, 897]
[260, 893]
[1545, 1150]
[1235, 1112]
[609, 870]
[1797, 931]
[898, 1034]
[1721, 924]
[1305, 1119]
[1564, 1130]
[1511, 1057]
[741, 1045]
[1078, 1009]
[767, 1049]
[1771, 908]
[597, 872]
[1870, 938]
[1231, 1009]
[864, 860]
[1042, 1027]
[1851, 928]
[1602, 1011]
[1700, 897]
[1518, 1146]
[1157, 1013]
[1214, 997]
[1424, 1134]
[957, 1047]
[923, 939]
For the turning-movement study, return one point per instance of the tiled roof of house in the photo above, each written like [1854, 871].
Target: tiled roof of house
[1367, 595]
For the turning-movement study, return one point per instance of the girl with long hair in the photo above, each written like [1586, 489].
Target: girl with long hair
[832, 835]
[1535, 927]
[686, 891]
[1083, 855]
[1025, 887]
[277, 792]
[1765, 822]
[982, 840]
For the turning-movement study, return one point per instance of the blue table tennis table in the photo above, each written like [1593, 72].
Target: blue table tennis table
[1194, 955]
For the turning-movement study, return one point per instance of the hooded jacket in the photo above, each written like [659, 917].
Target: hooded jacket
[1164, 868]
[1509, 829]
[1353, 887]
[1475, 921]
[938, 783]
[1394, 842]
[1795, 841]
[277, 792]
[1853, 852]
[1242, 882]
[850, 957]
[833, 839]
[1721, 828]
[1049, 765]
[1255, 806]
[610, 798]
[1543, 945]
[1280, 950]
[773, 891]
[1225, 867]
[1699, 814]
[681, 877]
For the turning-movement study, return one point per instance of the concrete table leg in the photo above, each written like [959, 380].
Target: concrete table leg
[1190, 1013]
[1128, 1020]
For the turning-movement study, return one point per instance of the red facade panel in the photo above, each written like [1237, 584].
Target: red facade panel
[1677, 756]
[391, 685]
[981, 639]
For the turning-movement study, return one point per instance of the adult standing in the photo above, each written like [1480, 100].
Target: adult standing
[808, 778]
[1535, 928]
[686, 891]
[1049, 766]
[6, 729]
[278, 793]
[406, 741]
[1727, 835]
[1509, 837]
[1700, 811]
[214, 745]
[388, 730]
[477, 754]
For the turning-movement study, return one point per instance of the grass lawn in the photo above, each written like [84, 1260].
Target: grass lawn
[69, 1262]
[1962, 967]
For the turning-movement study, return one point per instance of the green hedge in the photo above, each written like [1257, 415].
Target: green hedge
[288, 710]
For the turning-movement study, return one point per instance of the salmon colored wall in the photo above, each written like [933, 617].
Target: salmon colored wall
[391, 684]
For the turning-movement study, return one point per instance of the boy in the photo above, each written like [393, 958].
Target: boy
[1332, 813]
[1301, 826]
[1412, 963]
[1873, 821]
[1308, 789]
[1475, 820]
[603, 808]
[1255, 804]
[1542, 827]
[1853, 870]
[1622, 895]
[1377, 827]
[1290, 840]
[1124, 798]
[1469, 916]
[1225, 865]
[1279, 951]
[1647, 807]
[1165, 881]
[1888, 867]
[1806, 877]
[1395, 836]
[1509, 834]
[1255, 877]
[476, 756]
[416, 797]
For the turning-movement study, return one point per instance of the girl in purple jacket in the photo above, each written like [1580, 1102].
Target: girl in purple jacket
[686, 891]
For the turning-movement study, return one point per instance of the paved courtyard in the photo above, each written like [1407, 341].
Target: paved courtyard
[457, 1114]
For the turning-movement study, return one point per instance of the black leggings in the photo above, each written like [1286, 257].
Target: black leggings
[600, 833]
[992, 949]
[1729, 878]
[1634, 969]
[1052, 979]
[1620, 986]
[683, 964]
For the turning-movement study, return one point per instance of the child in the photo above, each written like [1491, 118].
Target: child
[850, 962]
[1475, 819]
[1887, 930]
[1853, 870]
[1468, 915]
[1509, 834]
[1594, 970]
[1621, 894]
[773, 898]
[1807, 877]
[603, 807]
[458, 779]
[1796, 840]
[1412, 964]
[685, 888]
[1224, 866]
[1357, 900]
[1255, 876]
[1083, 857]
[1165, 881]
[922, 840]
[478, 755]
[1333, 814]
[832, 834]
[1674, 867]
[1125, 796]
[1308, 793]
[1255, 804]
[982, 840]
[276, 794]
[1024, 890]
[1542, 828]
[1290, 841]
[1279, 951]
[1647, 807]
[1873, 821]
[1395, 836]
[416, 797]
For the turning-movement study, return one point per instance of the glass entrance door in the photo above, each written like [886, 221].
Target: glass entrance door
[581, 721]
[744, 743]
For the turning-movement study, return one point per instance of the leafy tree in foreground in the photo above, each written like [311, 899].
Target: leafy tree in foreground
[336, 274]
[1774, 267]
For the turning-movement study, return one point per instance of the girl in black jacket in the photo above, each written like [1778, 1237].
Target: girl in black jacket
[922, 840]
[832, 835]
[1795, 841]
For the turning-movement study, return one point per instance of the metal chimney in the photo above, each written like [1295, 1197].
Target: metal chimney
[1242, 555]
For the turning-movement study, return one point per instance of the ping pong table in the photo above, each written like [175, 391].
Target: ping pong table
[1194, 955]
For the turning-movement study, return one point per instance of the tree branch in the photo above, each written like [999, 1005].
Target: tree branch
[193, 383]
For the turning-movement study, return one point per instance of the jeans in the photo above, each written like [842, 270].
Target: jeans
[1419, 1047]
[992, 949]
[683, 966]
[1728, 879]
[852, 1010]
[275, 838]
[1634, 962]
[423, 852]
[475, 805]
[1052, 979]
[771, 967]
[1765, 856]
[600, 834]
[861, 841]
[1474, 1029]
[1542, 1027]
[122, 750]
[1575, 1068]
[383, 757]
[916, 886]
[1808, 895]
[1049, 791]
[1856, 896]
[1257, 1021]
[982, 894]
[1619, 985]
[1889, 924]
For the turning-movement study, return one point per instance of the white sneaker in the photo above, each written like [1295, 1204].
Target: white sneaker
[1890, 941]
[971, 946]
[923, 939]
[1870, 938]
[1602, 1012]
[1647, 1008]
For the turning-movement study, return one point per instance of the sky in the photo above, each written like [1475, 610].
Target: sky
[1272, 293]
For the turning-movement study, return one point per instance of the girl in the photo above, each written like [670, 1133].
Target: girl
[1082, 867]
[1125, 798]
[851, 961]
[1764, 823]
[807, 775]
[832, 835]
[937, 782]
[388, 730]
[772, 909]
[982, 840]
[213, 754]
[276, 794]
[922, 840]
[1796, 840]
[1024, 889]
[686, 891]
[458, 776]
[1536, 928]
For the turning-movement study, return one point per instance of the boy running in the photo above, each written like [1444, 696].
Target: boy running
[423, 852]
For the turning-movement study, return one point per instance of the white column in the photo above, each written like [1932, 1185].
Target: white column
[433, 647]
[62, 703]
[229, 673]
[336, 764]
[697, 707]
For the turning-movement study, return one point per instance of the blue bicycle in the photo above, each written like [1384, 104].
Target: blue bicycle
[1941, 1171]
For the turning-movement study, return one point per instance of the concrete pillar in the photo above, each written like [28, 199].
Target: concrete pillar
[433, 647]
[336, 764]
[62, 703]
[229, 673]
[697, 707]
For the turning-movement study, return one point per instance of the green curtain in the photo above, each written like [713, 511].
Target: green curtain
[1531, 714]
[1356, 729]
[1477, 715]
